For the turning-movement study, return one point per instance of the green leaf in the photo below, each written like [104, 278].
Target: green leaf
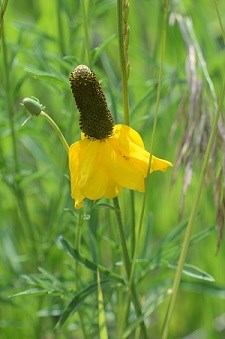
[36, 291]
[89, 264]
[193, 271]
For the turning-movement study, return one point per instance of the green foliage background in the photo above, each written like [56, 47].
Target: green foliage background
[42, 42]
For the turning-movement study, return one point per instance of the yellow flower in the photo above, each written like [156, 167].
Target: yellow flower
[107, 158]
[101, 168]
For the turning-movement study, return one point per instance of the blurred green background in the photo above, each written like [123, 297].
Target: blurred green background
[42, 42]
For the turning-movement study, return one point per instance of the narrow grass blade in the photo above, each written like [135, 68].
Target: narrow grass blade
[194, 272]
[35, 291]
[88, 263]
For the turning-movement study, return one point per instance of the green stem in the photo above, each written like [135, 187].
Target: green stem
[86, 21]
[127, 265]
[57, 130]
[123, 42]
[133, 224]
[191, 220]
[123, 59]
[122, 236]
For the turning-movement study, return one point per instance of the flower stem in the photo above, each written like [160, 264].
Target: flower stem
[122, 13]
[85, 12]
[127, 265]
[57, 130]
[123, 41]
[191, 220]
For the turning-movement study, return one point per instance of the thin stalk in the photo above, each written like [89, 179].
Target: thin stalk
[123, 42]
[123, 57]
[193, 213]
[57, 130]
[86, 21]
[127, 264]
[133, 224]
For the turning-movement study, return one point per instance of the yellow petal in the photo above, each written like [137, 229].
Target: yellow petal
[93, 176]
[159, 164]
[127, 134]
[120, 168]
[137, 156]
[75, 153]
[102, 168]
[78, 200]
[112, 189]
[130, 144]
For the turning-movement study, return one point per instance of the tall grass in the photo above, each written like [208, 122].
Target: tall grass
[63, 271]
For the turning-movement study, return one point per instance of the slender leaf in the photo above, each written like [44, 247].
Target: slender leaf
[194, 271]
[89, 264]
[36, 291]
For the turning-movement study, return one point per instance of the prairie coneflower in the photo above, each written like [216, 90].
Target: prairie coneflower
[108, 157]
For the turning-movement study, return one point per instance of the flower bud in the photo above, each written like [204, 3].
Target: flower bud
[33, 106]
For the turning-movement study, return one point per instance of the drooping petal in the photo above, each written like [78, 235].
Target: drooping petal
[112, 189]
[120, 169]
[137, 156]
[126, 134]
[93, 176]
[75, 153]
[131, 145]
[159, 164]
[78, 199]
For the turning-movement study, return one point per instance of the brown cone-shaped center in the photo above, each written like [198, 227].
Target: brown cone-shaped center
[96, 120]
